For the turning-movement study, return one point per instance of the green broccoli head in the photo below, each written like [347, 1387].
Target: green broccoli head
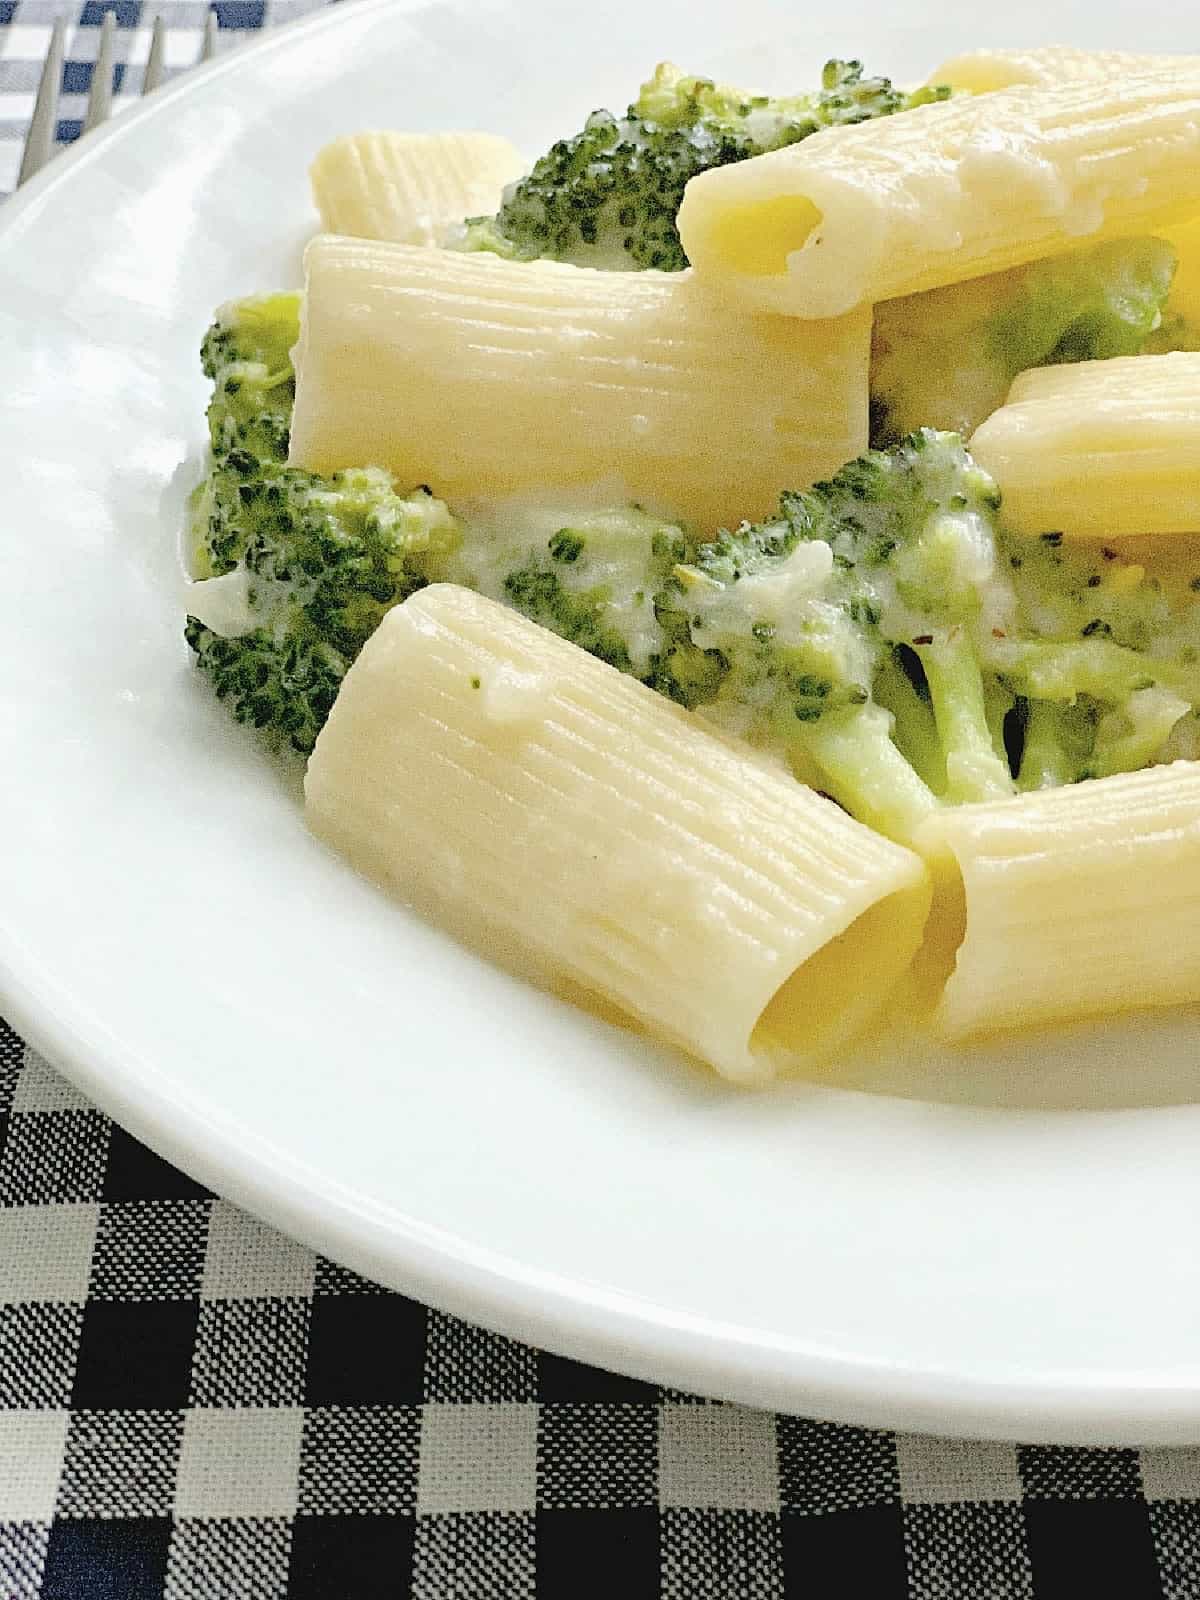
[1068, 590]
[593, 579]
[1102, 654]
[261, 329]
[283, 684]
[1087, 648]
[895, 552]
[608, 196]
[310, 566]
[603, 580]
[247, 354]
[924, 507]
[946, 358]
[1090, 713]
[295, 571]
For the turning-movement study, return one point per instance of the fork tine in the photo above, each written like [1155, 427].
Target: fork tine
[209, 47]
[100, 97]
[156, 61]
[39, 141]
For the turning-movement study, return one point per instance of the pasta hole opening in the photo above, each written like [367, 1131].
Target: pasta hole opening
[835, 992]
[757, 240]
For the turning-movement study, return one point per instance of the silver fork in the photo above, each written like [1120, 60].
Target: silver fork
[40, 141]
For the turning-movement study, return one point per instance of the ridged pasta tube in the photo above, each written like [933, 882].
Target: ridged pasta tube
[1101, 449]
[984, 71]
[477, 761]
[1079, 901]
[486, 377]
[410, 187]
[948, 191]
[981, 71]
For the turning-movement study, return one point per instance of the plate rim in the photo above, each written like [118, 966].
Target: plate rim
[443, 1270]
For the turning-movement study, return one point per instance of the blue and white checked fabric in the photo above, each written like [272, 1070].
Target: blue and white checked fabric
[25, 37]
[195, 1408]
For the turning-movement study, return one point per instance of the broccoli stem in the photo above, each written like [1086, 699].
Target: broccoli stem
[1047, 760]
[1064, 669]
[914, 730]
[974, 768]
[998, 701]
[865, 772]
[1139, 735]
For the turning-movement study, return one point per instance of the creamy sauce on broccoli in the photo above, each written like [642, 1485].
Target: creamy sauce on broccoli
[882, 633]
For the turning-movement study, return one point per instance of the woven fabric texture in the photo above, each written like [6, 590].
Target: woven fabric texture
[193, 1407]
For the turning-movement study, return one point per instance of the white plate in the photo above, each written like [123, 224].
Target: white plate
[1002, 1243]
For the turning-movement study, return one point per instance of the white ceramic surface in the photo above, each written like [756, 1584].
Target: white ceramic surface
[1002, 1242]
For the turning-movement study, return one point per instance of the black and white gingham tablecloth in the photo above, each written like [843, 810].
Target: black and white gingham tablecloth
[193, 1407]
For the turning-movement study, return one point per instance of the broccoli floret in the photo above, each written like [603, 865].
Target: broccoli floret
[811, 608]
[1093, 735]
[247, 354]
[946, 358]
[604, 581]
[1132, 735]
[885, 627]
[1102, 655]
[599, 580]
[261, 328]
[608, 196]
[322, 560]
[295, 570]
[1084, 591]
[917, 525]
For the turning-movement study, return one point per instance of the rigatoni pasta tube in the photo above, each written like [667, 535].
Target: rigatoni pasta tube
[984, 71]
[1103, 449]
[485, 377]
[948, 191]
[1079, 901]
[981, 71]
[477, 759]
[410, 187]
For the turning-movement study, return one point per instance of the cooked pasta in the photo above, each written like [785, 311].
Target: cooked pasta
[1079, 901]
[983, 71]
[483, 377]
[1102, 449]
[410, 187]
[948, 191]
[474, 758]
[684, 638]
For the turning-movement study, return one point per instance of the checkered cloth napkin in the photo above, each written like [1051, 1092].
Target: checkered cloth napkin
[25, 37]
[193, 1407]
